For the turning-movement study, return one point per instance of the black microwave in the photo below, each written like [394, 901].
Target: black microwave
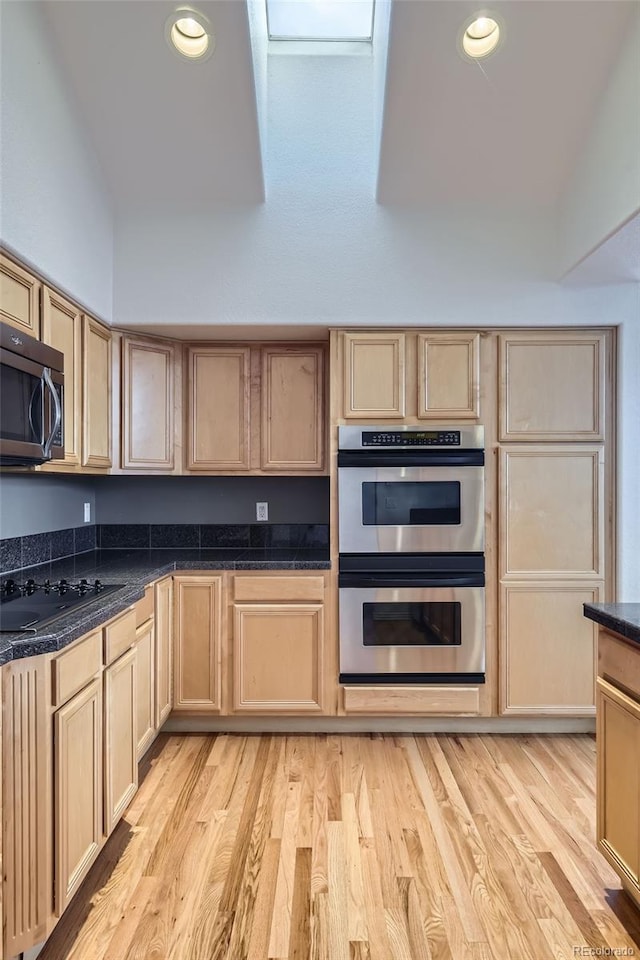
[31, 400]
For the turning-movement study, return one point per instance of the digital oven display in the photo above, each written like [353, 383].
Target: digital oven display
[413, 438]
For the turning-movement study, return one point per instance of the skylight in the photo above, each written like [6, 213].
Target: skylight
[320, 19]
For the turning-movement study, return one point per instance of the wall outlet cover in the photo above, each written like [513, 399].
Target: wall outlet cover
[87, 513]
[262, 510]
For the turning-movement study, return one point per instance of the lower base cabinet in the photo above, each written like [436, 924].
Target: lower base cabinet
[278, 657]
[77, 790]
[145, 687]
[197, 685]
[120, 738]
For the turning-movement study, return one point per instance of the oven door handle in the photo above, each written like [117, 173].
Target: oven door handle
[359, 581]
[413, 458]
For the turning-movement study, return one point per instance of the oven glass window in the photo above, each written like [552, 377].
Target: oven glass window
[20, 405]
[411, 624]
[410, 503]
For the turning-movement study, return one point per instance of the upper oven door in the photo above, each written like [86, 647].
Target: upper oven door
[435, 509]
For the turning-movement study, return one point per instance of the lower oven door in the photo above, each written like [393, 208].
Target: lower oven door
[412, 634]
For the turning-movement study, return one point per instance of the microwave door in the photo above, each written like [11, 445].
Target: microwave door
[22, 409]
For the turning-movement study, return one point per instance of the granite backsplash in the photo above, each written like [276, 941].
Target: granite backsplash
[19, 552]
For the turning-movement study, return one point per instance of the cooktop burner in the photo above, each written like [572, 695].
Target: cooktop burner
[31, 605]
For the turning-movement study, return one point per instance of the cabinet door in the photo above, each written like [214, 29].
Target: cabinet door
[278, 657]
[145, 687]
[62, 329]
[547, 649]
[164, 650]
[197, 644]
[120, 737]
[293, 424]
[218, 408]
[552, 385]
[373, 375]
[449, 376]
[78, 789]
[96, 394]
[147, 405]
[19, 298]
[552, 512]
[618, 806]
[27, 802]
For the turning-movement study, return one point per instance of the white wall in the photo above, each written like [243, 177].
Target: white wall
[605, 187]
[54, 210]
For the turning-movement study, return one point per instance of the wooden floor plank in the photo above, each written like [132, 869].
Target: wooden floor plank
[363, 847]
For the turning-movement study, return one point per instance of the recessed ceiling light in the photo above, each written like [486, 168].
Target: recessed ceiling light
[480, 37]
[189, 33]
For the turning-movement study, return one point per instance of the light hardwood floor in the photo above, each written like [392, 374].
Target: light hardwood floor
[354, 847]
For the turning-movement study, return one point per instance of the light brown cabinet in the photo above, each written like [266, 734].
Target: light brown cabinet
[548, 649]
[78, 790]
[27, 798]
[148, 399]
[19, 298]
[164, 650]
[278, 643]
[374, 375]
[552, 385]
[145, 687]
[618, 757]
[120, 738]
[292, 434]
[448, 376]
[96, 394]
[197, 644]
[218, 405]
[62, 329]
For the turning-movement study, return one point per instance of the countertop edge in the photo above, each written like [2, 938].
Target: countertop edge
[19, 647]
[620, 618]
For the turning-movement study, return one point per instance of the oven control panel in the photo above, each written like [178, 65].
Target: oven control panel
[413, 438]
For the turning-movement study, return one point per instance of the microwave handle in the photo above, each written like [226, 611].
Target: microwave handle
[38, 391]
[46, 377]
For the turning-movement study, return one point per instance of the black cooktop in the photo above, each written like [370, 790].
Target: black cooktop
[31, 605]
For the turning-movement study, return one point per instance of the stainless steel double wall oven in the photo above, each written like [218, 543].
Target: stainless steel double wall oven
[411, 541]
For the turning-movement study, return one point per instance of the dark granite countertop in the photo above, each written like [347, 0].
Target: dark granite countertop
[134, 569]
[622, 618]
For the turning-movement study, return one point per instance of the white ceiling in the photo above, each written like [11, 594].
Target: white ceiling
[168, 133]
[506, 132]
[172, 135]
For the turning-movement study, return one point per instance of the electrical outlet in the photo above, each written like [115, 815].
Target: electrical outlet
[262, 510]
[87, 513]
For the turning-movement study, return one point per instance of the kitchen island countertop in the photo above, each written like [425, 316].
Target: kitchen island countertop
[135, 569]
[620, 618]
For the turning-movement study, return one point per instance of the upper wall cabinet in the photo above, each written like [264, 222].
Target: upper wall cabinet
[96, 394]
[552, 385]
[148, 390]
[292, 436]
[374, 375]
[218, 408]
[449, 376]
[62, 329]
[19, 298]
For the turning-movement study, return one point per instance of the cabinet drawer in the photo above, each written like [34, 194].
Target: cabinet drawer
[119, 636]
[268, 589]
[417, 700]
[74, 668]
[619, 662]
[145, 607]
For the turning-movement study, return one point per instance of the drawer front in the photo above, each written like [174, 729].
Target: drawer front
[268, 589]
[414, 700]
[76, 667]
[619, 662]
[119, 636]
[145, 607]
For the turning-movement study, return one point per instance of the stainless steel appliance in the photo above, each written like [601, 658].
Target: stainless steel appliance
[406, 489]
[31, 605]
[31, 399]
[411, 566]
[414, 618]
